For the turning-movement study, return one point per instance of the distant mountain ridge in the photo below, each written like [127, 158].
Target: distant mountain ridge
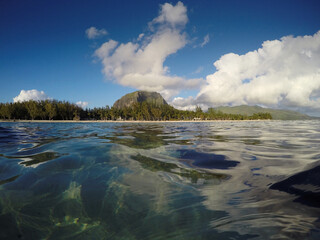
[276, 114]
[129, 99]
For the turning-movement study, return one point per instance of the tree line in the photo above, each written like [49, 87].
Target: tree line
[63, 110]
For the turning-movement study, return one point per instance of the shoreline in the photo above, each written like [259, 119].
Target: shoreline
[129, 121]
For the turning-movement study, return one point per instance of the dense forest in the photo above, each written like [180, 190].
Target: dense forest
[62, 110]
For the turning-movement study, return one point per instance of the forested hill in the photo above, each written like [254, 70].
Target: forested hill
[130, 99]
[275, 113]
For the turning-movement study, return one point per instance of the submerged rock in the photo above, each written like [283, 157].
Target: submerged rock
[305, 185]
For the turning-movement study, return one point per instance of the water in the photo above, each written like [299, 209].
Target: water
[211, 180]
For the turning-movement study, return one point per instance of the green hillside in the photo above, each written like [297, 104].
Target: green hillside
[129, 99]
[275, 113]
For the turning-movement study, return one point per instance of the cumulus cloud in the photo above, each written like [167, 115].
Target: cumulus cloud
[141, 65]
[93, 32]
[173, 15]
[282, 73]
[188, 103]
[206, 40]
[26, 95]
[82, 104]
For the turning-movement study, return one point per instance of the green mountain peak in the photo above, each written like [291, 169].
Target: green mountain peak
[129, 99]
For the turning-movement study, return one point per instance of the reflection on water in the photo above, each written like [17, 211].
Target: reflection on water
[218, 180]
[192, 174]
[34, 160]
[205, 160]
[11, 179]
[146, 137]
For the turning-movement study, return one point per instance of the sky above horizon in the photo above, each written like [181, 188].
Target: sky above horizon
[195, 53]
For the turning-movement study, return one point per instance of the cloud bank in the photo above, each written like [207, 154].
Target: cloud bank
[93, 32]
[282, 73]
[26, 95]
[140, 64]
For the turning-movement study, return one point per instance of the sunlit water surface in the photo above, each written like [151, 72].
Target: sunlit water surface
[211, 180]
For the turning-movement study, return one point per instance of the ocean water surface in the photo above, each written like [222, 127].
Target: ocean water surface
[209, 180]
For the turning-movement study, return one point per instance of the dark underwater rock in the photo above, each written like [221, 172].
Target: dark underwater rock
[305, 185]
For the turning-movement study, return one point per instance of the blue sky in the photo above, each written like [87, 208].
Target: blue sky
[44, 46]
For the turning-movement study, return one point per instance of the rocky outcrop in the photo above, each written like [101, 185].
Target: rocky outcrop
[129, 99]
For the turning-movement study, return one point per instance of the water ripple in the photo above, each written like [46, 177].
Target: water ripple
[210, 180]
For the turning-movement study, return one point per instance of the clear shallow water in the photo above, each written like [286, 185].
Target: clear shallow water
[219, 180]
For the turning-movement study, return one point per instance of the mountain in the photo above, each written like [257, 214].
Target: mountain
[275, 113]
[138, 97]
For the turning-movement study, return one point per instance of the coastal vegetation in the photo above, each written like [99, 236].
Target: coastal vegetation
[277, 114]
[63, 110]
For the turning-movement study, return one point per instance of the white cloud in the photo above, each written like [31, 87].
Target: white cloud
[82, 104]
[282, 73]
[206, 40]
[26, 95]
[189, 103]
[184, 103]
[141, 65]
[141, 35]
[105, 49]
[93, 32]
[173, 15]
